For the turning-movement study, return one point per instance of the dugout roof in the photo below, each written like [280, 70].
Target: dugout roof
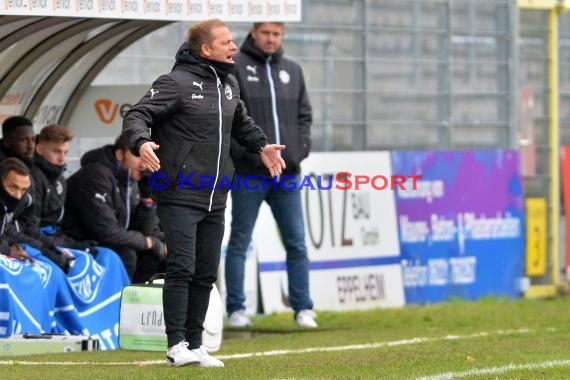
[51, 50]
[46, 63]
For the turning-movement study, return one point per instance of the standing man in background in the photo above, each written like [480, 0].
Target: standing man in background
[193, 111]
[273, 90]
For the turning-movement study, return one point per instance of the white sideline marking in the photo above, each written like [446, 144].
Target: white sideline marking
[366, 346]
[497, 370]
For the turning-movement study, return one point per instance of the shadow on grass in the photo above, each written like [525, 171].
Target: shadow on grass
[255, 332]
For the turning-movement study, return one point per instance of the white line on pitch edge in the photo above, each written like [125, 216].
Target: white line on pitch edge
[497, 370]
[364, 346]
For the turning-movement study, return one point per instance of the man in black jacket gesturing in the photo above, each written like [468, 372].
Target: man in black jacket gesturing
[193, 111]
[273, 90]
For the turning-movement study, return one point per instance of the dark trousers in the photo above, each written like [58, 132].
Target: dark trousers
[147, 266]
[194, 240]
[140, 266]
[129, 258]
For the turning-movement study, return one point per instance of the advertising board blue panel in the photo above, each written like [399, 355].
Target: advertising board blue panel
[461, 228]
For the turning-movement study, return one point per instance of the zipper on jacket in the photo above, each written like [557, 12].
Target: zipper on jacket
[218, 85]
[4, 220]
[60, 218]
[273, 102]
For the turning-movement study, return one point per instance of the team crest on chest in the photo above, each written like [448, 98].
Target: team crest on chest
[228, 92]
[284, 76]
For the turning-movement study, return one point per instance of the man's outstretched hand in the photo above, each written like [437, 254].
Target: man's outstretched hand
[272, 160]
[149, 158]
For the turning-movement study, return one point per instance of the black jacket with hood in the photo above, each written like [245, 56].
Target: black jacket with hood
[193, 111]
[48, 192]
[14, 229]
[266, 81]
[100, 198]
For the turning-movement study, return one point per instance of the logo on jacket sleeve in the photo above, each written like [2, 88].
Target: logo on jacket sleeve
[101, 197]
[153, 92]
[284, 76]
[228, 92]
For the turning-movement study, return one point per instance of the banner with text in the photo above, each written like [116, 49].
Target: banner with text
[175, 10]
[351, 235]
[461, 230]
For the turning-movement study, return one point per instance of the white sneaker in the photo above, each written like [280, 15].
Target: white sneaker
[204, 359]
[179, 354]
[306, 319]
[239, 319]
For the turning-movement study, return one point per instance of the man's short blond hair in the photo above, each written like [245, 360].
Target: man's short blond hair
[201, 33]
[55, 133]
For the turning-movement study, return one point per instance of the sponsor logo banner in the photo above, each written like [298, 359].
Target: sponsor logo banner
[171, 10]
[351, 236]
[461, 231]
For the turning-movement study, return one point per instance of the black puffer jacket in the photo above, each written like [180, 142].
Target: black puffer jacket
[15, 230]
[100, 198]
[265, 81]
[193, 111]
[12, 230]
[48, 192]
